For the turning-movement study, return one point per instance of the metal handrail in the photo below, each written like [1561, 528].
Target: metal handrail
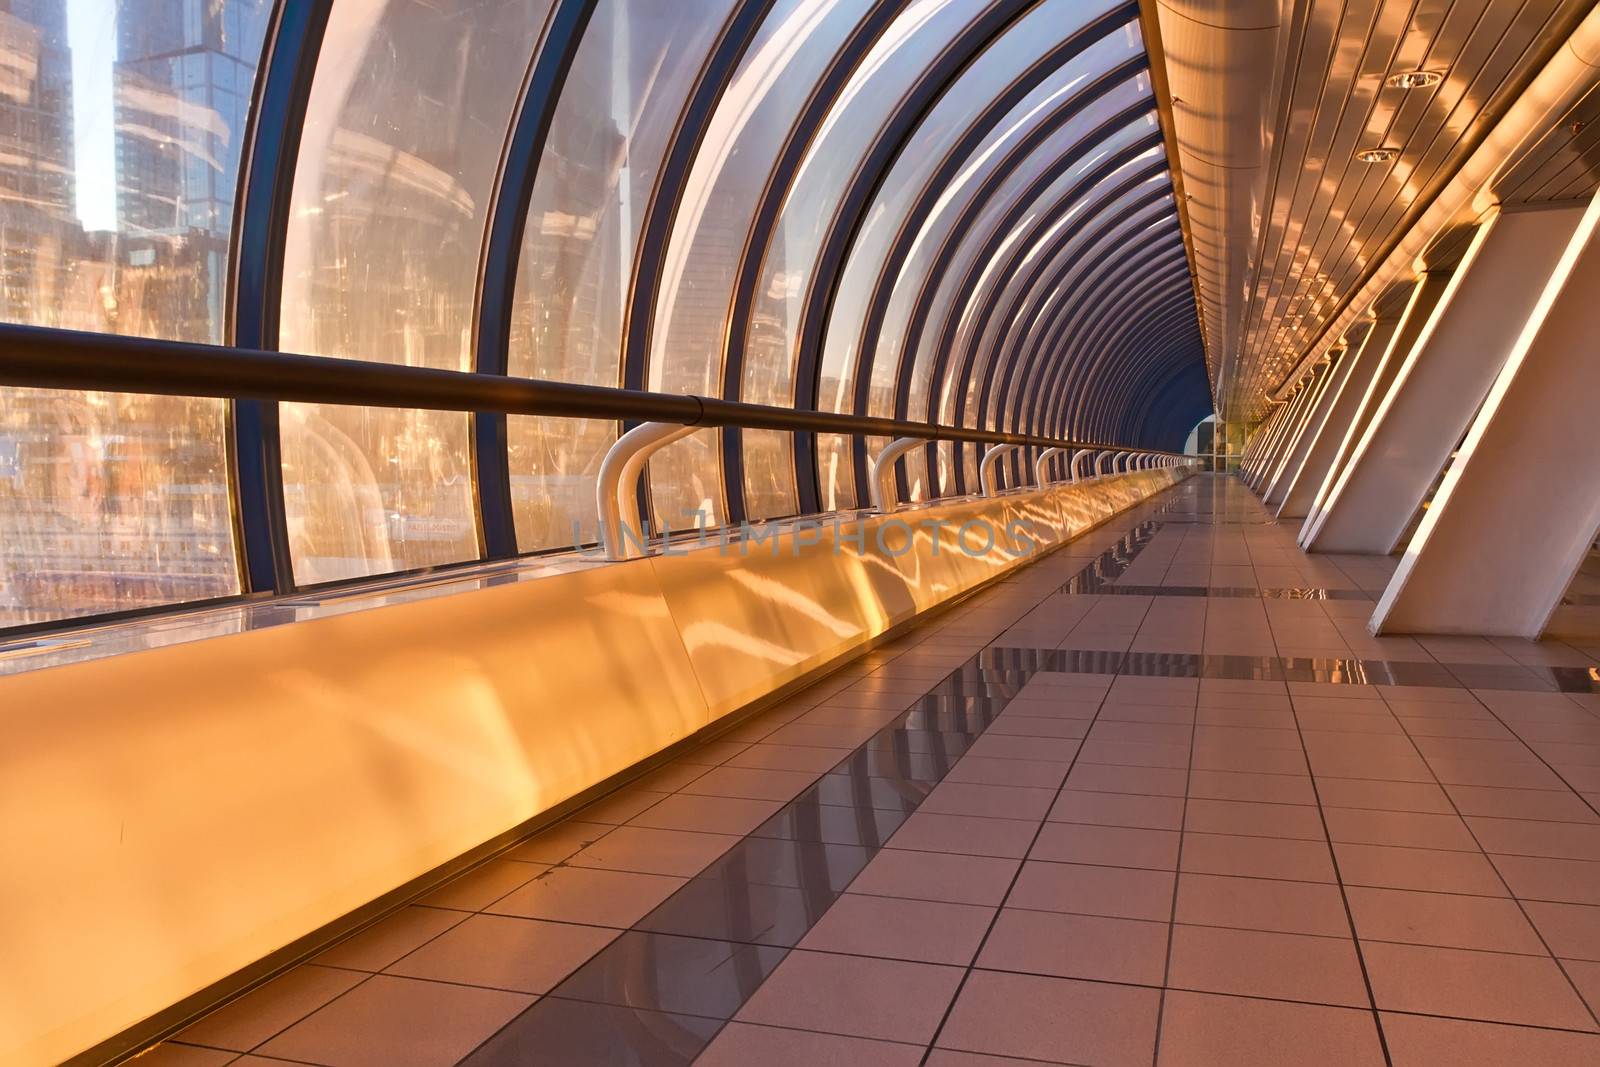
[68, 359]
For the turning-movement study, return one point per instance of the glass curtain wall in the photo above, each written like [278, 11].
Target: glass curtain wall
[771, 359]
[972, 267]
[636, 66]
[1016, 53]
[403, 136]
[121, 127]
[752, 123]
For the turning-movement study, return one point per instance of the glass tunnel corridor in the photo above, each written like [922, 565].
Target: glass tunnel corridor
[650, 532]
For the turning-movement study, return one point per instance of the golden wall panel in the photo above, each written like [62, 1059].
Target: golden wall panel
[169, 817]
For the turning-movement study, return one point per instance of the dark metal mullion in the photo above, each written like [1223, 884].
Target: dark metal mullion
[996, 237]
[997, 234]
[1077, 336]
[502, 252]
[656, 233]
[1069, 339]
[960, 229]
[1133, 356]
[1145, 427]
[1004, 311]
[1092, 350]
[1152, 297]
[757, 242]
[1051, 353]
[980, 199]
[980, 127]
[1066, 328]
[1081, 188]
[261, 221]
[1136, 413]
[1063, 256]
[1142, 353]
[869, 175]
[1038, 371]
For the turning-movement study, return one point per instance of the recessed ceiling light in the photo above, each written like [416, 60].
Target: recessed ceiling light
[1377, 155]
[1414, 79]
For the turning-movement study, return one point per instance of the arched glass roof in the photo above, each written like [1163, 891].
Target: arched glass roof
[955, 211]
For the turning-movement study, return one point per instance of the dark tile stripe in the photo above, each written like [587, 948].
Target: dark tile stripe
[660, 993]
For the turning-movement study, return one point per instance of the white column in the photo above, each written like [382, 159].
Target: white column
[1299, 439]
[1520, 505]
[1299, 404]
[1296, 488]
[1419, 312]
[1443, 381]
[1265, 434]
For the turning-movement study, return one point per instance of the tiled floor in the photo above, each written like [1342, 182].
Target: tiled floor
[1159, 798]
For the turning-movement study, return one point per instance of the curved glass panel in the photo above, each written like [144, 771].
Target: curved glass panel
[935, 240]
[1039, 319]
[632, 73]
[1021, 47]
[1072, 295]
[793, 47]
[121, 128]
[863, 107]
[955, 287]
[1058, 336]
[1009, 271]
[404, 131]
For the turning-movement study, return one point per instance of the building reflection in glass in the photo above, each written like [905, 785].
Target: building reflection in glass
[116, 202]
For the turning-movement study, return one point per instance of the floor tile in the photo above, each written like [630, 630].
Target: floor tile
[1118, 809]
[1320, 970]
[1086, 889]
[993, 801]
[523, 955]
[1091, 947]
[387, 1020]
[1257, 857]
[389, 938]
[1262, 904]
[1053, 1019]
[1564, 881]
[666, 973]
[483, 885]
[1205, 1030]
[175, 1054]
[1419, 1041]
[1571, 930]
[895, 928]
[1445, 920]
[588, 895]
[244, 1023]
[741, 1044]
[558, 842]
[956, 879]
[560, 1033]
[965, 835]
[1406, 829]
[713, 815]
[1113, 846]
[1426, 870]
[1251, 819]
[1491, 986]
[645, 850]
[855, 996]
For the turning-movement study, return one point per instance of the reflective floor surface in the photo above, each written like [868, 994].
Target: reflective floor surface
[1158, 798]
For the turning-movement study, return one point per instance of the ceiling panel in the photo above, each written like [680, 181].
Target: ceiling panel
[1314, 219]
